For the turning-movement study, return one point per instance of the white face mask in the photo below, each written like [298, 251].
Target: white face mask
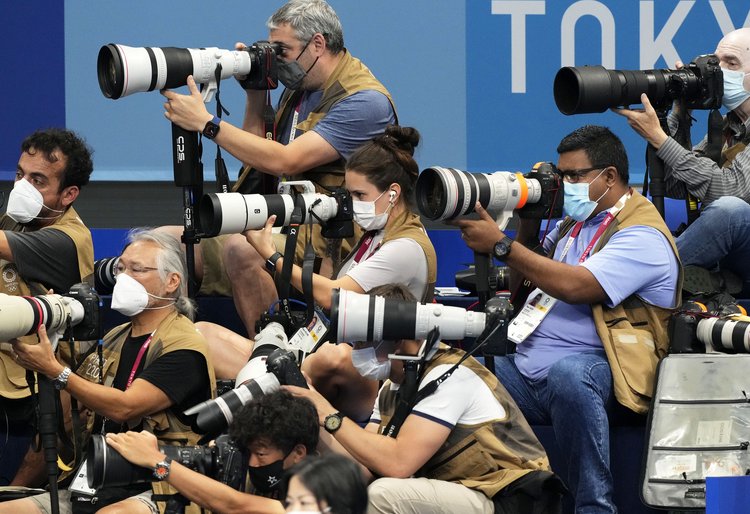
[129, 297]
[365, 361]
[25, 202]
[734, 89]
[365, 217]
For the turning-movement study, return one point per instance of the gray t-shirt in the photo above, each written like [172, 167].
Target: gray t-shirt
[46, 256]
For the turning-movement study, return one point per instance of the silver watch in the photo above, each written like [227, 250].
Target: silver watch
[61, 381]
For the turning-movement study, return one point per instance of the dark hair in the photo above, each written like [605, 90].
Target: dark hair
[602, 147]
[389, 158]
[335, 479]
[285, 420]
[395, 291]
[79, 165]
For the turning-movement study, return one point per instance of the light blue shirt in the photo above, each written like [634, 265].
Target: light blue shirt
[636, 260]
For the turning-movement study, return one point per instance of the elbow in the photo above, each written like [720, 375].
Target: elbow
[399, 470]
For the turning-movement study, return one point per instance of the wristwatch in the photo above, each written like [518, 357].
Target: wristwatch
[271, 262]
[211, 130]
[161, 470]
[502, 248]
[333, 422]
[61, 380]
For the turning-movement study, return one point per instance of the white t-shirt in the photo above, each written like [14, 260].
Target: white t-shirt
[462, 399]
[400, 261]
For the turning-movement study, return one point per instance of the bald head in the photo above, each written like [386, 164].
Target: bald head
[733, 50]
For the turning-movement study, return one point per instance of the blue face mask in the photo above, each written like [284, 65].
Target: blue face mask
[577, 203]
[734, 90]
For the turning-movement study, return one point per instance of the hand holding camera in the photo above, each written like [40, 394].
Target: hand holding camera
[187, 111]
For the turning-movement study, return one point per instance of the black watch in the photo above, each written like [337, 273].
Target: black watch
[333, 422]
[271, 262]
[211, 130]
[501, 251]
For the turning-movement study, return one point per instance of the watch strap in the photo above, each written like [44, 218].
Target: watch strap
[272, 260]
[61, 380]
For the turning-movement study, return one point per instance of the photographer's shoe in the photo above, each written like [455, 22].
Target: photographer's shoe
[699, 280]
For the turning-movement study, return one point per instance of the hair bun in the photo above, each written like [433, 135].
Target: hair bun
[404, 138]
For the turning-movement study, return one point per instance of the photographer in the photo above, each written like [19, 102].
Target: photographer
[332, 104]
[394, 248]
[595, 327]
[139, 379]
[331, 484]
[455, 450]
[278, 430]
[43, 245]
[721, 235]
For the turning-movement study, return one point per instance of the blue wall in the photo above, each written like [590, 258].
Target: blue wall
[475, 76]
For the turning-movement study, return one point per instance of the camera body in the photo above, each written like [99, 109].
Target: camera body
[588, 89]
[550, 203]
[341, 225]
[264, 72]
[90, 327]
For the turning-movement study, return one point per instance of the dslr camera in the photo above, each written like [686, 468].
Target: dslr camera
[124, 70]
[76, 314]
[588, 89]
[224, 462]
[715, 324]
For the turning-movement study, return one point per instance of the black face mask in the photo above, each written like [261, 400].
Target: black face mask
[291, 73]
[268, 478]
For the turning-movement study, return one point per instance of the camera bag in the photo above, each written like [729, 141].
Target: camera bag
[698, 427]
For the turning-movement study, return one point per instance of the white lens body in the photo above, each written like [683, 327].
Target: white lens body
[17, 314]
[137, 66]
[356, 314]
[723, 339]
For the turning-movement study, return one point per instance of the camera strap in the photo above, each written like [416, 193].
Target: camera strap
[220, 168]
[283, 279]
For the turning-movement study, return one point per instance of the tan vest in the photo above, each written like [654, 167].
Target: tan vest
[408, 225]
[485, 457]
[12, 376]
[633, 333]
[350, 76]
[176, 332]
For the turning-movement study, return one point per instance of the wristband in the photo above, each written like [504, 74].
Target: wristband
[271, 262]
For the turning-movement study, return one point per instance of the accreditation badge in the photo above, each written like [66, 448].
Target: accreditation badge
[538, 304]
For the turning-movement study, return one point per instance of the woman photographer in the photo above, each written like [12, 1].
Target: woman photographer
[381, 176]
[332, 484]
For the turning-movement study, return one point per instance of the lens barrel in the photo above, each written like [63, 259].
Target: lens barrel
[725, 335]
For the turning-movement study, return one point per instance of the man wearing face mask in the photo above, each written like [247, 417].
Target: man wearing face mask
[137, 378]
[43, 245]
[594, 329]
[721, 234]
[278, 431]
[332, 104]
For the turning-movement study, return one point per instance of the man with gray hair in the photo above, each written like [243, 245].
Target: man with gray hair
[138, 382]
[332, 104]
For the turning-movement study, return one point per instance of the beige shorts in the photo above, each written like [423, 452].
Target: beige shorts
[43, 503]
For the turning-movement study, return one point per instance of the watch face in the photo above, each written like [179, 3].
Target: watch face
[210, 130]
[501, 250]
[161, 471]
[332, 422]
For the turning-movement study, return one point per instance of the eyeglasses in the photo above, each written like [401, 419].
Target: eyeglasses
[134, 270]
[574, 176]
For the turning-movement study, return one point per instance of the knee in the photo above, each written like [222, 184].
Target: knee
[729, 206]
[237, 253]
[579, 371]
[380, 495]
[330, 360]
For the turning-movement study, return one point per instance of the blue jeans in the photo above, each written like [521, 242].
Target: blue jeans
[575, 399]
[720, 237]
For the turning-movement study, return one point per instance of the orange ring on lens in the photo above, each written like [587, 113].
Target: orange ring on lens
[524, 190]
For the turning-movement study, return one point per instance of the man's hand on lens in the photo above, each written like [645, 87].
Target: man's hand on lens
[482, 234]
[38, 357]
[139, 448]
[187, 111]
[645, 122]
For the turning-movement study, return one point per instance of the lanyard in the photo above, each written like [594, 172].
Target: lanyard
[366, 242]
[138, 359]
[577, 229]
[293, 130]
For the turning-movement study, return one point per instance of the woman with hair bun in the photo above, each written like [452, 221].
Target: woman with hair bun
[381, 176]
